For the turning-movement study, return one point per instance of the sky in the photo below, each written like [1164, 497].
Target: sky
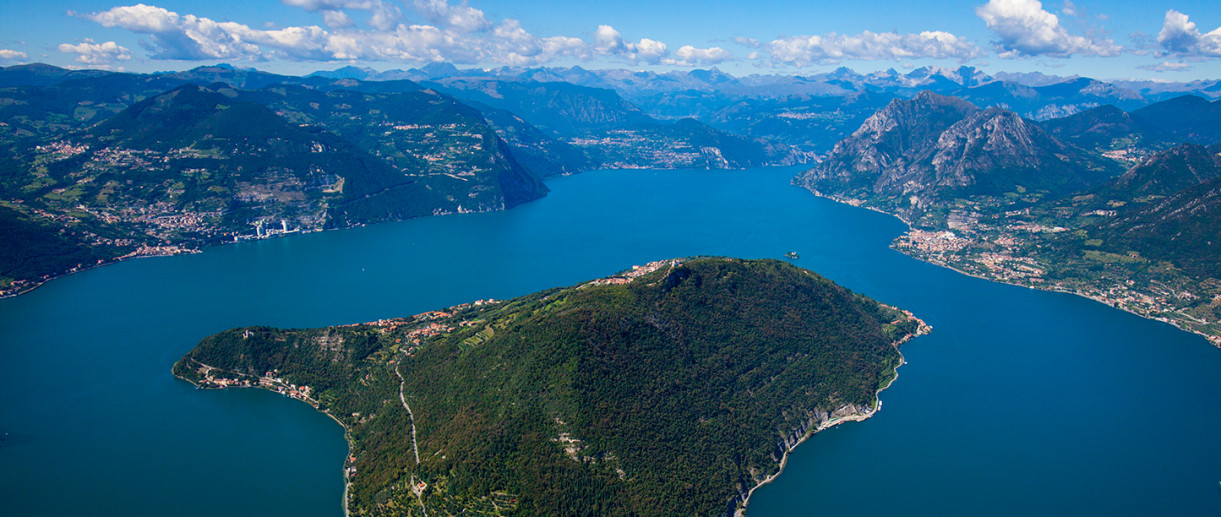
[1172, 40]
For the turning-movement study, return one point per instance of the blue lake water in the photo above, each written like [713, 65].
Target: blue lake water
[1021, 402]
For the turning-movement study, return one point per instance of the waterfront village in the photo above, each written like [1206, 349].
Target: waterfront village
[1002, 252]
[417, 329]
[634, 273]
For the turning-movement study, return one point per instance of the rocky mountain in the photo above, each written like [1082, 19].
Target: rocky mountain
[1157, 91]
[887, 144]
[669, 389]
[1054, 100]
[916, 153]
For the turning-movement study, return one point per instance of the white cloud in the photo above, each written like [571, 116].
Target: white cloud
[12, 55]
[96, 54]
[608, 42]
[1179, 36]
[832, 48]
[138, 18]
[461, 17]
[337, 19]
[175, 36]
[334, 5]
[691, 56]
[1025, 29]
[1166, 67]
[454, 32]
[1069, 9]
[747, 42]
[384, 15]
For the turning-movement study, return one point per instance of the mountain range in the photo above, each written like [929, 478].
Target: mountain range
[101, 165]
[1107, 203]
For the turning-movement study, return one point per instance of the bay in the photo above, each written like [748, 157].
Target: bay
[1020, 402]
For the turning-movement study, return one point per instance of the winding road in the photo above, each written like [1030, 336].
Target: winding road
[414, 446]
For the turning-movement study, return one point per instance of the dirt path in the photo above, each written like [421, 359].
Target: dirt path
[419, 494]
[403, 383]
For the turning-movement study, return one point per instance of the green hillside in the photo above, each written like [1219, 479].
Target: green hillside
[669, 389]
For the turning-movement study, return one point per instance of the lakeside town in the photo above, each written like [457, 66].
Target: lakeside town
[1016, 251]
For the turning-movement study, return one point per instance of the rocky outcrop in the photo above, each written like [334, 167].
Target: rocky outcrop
[888, 144]
[790, 439]
[933, 147]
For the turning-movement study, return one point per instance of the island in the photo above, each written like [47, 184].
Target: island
[676, 387]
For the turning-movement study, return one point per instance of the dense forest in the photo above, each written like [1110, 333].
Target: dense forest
[670, 389]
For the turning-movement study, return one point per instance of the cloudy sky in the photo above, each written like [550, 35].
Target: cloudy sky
[1161, 39]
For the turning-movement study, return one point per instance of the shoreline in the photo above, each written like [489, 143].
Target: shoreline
[36, 284]
[347, 436]
[1208, 338]
[827, 424]
[1211, 339]
[104, 263]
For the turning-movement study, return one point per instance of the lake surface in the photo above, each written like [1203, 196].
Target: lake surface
[1020, 402]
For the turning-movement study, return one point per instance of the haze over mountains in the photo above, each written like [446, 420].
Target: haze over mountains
[100, 165]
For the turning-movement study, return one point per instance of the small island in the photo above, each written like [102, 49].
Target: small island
[677, 387]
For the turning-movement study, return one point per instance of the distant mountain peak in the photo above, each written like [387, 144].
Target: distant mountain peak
[440, 69]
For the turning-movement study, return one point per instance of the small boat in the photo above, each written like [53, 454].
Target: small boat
[792, 255]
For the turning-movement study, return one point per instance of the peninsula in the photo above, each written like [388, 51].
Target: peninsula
[672, 388]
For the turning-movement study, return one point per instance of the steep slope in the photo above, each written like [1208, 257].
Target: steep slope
[886, 144]
[559, 109]
[1184, 228]
[537, 152]
[684, 144]
[1168, 172]
[1186, 119]
[995, 151]
[809, 123]
[425, 135]
[1106, 128]
[197, 166]
[1166, 208]
[671, 389]
[1163, 174]
[915, 153]
[217, 149]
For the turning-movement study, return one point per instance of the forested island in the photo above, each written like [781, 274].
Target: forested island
[672, 388]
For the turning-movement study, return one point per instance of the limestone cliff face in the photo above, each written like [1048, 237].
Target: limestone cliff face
[788, 440]
[887, 146]
[993, 142]
[934, 145]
